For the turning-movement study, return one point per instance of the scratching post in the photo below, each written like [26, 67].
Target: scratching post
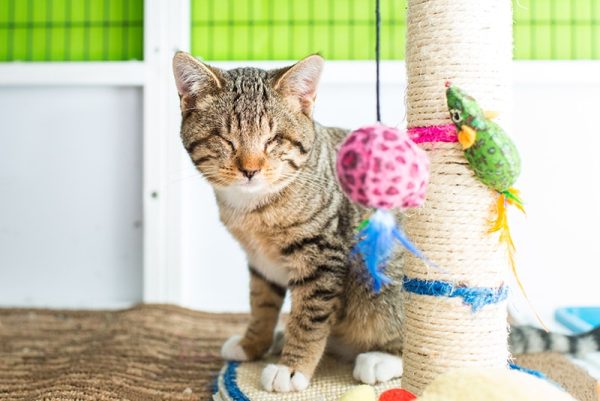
[455, 316]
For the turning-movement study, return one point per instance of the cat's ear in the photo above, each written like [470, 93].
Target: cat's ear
[298, 83]
[193, 78]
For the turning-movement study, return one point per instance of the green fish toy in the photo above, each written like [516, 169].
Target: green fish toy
[492, 155]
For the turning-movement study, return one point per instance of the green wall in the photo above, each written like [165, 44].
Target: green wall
[557, 29]
[290, 29]
[79, 30]
[71, 30]
[343, 29]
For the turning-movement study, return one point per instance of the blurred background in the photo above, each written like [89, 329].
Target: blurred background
[101, 208]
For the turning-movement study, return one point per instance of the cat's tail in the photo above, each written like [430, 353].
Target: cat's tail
[528, 340]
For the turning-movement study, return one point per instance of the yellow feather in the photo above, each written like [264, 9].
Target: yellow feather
[501, 225]
[517, 194]
[514, 191]
[490, 114]
[500, 215]
[517, 205]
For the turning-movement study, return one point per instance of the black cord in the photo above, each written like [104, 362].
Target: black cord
[377, 56]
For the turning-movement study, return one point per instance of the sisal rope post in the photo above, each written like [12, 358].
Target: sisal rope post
[468, 42]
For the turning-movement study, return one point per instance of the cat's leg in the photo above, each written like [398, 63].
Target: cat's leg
[315, 300]
[266, 299]
[380, 366]
[278, 341]
[340, 350]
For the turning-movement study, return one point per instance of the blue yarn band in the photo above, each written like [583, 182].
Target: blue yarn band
[230, 382]
[532, 372]
[535, 373]
[476, 297]
[215, 385]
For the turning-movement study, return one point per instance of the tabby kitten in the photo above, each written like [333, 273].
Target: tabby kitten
[251, 135]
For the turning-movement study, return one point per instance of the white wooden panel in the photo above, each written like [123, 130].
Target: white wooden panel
[70, 196]
[164, 34]
[86, 73]
[559, 241]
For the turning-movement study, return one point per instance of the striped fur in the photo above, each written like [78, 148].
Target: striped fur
[251, 135]
[527, 340]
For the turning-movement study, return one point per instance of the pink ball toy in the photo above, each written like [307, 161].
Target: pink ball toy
[381, 167]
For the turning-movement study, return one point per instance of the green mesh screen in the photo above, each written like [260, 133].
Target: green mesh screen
[291, 29]
[343, 30]
[71, 30]
[62, 30]
[557, 29]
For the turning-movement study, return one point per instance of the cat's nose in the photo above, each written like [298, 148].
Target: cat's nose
[250, 164]
[249, 173]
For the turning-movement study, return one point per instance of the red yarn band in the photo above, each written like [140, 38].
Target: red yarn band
[435, 133]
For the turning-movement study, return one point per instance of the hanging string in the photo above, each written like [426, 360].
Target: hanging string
[377, 57]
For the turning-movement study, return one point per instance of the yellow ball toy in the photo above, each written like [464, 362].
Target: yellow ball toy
[360, 393]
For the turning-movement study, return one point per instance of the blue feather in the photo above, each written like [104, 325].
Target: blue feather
[400, 235]
[375, 244]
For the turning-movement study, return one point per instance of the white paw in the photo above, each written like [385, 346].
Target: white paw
[280, 379]
[232, 350]
[377, 367]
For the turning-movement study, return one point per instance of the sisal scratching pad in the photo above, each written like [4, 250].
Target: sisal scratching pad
[241, 382]
[560, 369]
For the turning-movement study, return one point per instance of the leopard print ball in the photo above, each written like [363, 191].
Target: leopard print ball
[381, 167]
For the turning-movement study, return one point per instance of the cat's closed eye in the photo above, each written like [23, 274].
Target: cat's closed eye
[216, 133]
[229, 143]
[272, 141]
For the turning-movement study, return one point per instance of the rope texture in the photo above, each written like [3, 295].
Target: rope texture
[469, 43]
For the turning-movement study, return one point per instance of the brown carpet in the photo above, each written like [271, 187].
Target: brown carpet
[149, 352]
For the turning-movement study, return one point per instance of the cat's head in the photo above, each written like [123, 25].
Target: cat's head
[247, 130]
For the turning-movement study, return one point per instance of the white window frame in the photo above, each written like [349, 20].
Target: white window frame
[165, 31]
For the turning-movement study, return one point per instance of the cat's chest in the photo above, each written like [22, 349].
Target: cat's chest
[264, 254]
[271, 269]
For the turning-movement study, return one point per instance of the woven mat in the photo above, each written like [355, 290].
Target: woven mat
[149, 352]
[330, 382]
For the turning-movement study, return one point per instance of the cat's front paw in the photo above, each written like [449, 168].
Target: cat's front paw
[232, 350]
[282, 379]
[377, 367]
